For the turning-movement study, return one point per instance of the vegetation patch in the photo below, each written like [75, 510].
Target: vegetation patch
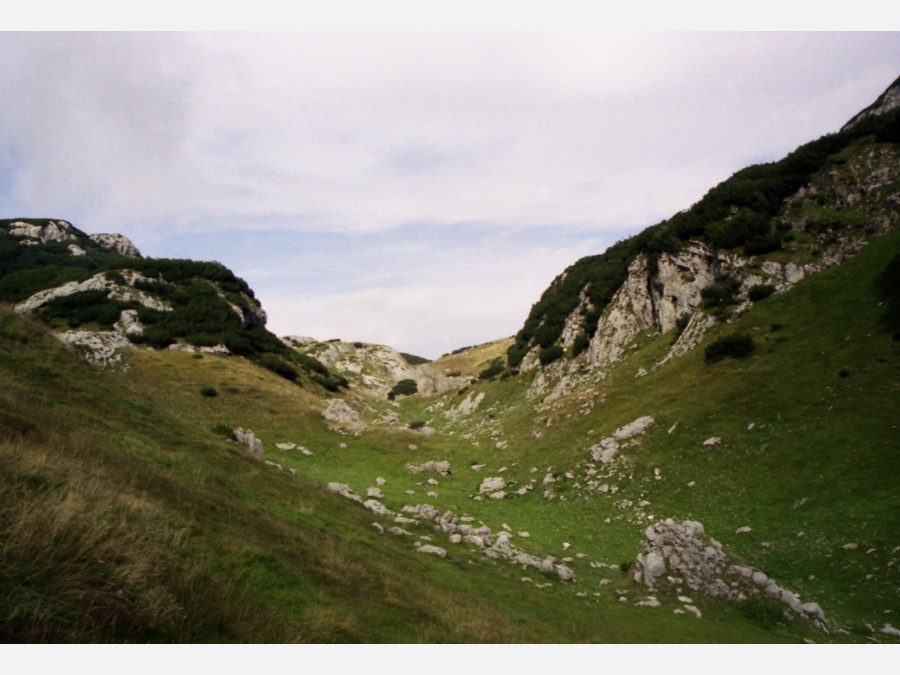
[736, 346]
[406, 387]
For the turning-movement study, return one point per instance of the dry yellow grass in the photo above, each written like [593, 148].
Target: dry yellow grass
[474, 359]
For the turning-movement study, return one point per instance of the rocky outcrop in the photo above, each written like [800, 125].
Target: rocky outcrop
[62, 230]
[605, 451]
[888, 101]
[374, 368]
[249, 439]
[343, 418]
[118, 243]
[442, 467]
[100, 348]
[59, 230]
[466, 407]
[682, 555]
[98, 282]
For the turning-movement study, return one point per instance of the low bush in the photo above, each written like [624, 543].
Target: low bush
[279, 367]
[495, 368]
[550, 354]
[736, 345]
[759, 292]
[403, 388]
[209, 392]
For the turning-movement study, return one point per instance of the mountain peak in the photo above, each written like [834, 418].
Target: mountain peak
[889, 100]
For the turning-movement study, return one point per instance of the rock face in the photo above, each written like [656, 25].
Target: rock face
[248, 438]
[98, 282]
[661, 294]
[889, 100]
[605, 451]
[343, 418]
[62, 230]
[116, 242]
[101, 348]
[59, 230]
[375, 368]
[683, 555]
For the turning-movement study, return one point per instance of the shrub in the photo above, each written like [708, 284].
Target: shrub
[331, 382]
[736, 345]
[495, 368]
[550, 354]
[209, 392]
[419, 424]
[278, 366]
[721, 294]
[759, 292]
[224, 431]
[404, 388]
[681, 323]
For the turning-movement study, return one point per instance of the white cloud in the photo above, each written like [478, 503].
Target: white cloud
[190, 142]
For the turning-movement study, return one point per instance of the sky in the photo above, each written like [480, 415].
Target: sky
[417, 189]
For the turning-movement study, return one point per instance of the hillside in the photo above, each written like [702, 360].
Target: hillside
[692, 439]
[769, 224]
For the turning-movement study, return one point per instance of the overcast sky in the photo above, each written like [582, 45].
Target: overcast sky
[414, 189]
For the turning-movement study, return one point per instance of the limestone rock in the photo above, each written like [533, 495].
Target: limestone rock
[248, 438]
[442, 467]
[343, 417]
[433, 550]
[491, 484]
[116, 242]
[344, 491]
[690, 558]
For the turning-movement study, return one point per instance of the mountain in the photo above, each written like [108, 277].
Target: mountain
[768, 225]
[692, 439]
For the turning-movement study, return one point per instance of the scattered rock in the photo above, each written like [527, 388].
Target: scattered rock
[491, 484]
[246, 437]
[691, 558]
[344, 491]
[433, 550]
[441, 467]
[343, 418]
[852, 546]
[890, 630]
[711, 442]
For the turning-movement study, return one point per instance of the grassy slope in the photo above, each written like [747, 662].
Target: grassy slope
[125, 518]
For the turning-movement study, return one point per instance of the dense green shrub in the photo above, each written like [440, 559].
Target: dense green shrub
[404, 388]
[331, 382]
[224, 431]
[278, 366]
[718, 297]
[495, 368]
[311, 363]
[550, 354]
[85, 307]
[736, 345]
[759, 292]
